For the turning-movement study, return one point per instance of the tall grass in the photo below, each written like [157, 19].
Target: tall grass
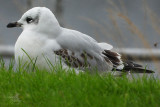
[66, 88]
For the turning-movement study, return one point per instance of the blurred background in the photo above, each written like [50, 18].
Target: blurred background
[131, 26]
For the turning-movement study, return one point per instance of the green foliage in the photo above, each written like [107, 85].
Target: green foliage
[60, 88]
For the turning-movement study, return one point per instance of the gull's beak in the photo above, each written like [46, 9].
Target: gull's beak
[14, 24]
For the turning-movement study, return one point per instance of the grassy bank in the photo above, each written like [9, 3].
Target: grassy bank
[59, 88]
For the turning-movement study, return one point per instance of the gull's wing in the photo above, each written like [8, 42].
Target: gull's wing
[80, 50]
[79, 42]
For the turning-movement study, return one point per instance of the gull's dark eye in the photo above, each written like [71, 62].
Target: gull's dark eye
[29, 19]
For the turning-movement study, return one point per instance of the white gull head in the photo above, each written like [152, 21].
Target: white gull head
[39, 19]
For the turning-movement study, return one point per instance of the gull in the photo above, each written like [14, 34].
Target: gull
[44, 41]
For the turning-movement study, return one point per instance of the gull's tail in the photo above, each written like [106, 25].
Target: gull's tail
[130, 66]
[119, 65]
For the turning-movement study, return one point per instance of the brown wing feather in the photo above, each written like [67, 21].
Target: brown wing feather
[112, 56]
[71, 60]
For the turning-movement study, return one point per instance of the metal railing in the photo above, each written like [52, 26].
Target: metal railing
[6, 51]
[130, 53]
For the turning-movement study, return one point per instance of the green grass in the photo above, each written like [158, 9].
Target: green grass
[67, 89]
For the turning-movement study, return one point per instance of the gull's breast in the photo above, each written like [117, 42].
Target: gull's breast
[34, 47]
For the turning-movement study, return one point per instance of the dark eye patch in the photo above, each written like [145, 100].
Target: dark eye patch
[29, 19]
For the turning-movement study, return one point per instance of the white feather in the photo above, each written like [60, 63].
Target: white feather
[105, 46]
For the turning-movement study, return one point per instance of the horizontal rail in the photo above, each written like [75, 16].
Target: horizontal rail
[6, 51]
[130, 53]
[139, 53]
